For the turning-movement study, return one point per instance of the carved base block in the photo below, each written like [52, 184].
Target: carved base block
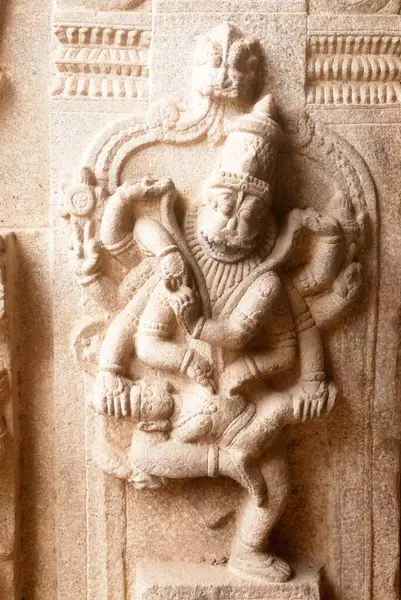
[186, 581]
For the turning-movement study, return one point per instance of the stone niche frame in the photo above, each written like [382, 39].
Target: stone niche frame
[104, 508]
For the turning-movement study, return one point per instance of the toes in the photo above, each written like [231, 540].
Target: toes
[282, 566]
[110, 406]
[282, 571]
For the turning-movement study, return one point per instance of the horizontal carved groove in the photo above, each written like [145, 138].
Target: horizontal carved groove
[357, 69]
[100, 87]
[354, 44]
[101, 62]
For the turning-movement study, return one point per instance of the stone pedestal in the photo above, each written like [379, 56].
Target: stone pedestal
[186, 581]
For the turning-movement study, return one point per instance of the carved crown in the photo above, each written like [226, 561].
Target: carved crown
[249, 153]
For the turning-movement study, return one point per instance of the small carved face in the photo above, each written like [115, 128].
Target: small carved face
[231, 223]
[225, 67]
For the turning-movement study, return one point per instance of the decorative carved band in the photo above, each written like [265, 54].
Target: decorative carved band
[355, 6]
[101, 61]
[354, 69]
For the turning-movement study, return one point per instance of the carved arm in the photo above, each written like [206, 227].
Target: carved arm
[155, 240]
[235, 331]
[309, 339]
[312, 398]
[116, 232]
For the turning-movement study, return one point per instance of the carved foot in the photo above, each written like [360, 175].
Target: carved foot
[119, 464]
[259, 566]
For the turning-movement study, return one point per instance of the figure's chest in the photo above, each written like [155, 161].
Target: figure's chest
[221, 279]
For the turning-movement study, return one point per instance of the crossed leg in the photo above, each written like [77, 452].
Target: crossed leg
[255, 524]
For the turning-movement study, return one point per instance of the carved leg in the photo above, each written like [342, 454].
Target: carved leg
[257, 366]
[273, 412]
[169, 458]
[163, 457]
[242, 452]
[255, 524]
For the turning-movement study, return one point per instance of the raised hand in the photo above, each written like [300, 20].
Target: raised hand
[84, 249]
[349, 281]
[311, 219]
[199, 370]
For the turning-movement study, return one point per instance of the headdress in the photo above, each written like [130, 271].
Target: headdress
[249, 154]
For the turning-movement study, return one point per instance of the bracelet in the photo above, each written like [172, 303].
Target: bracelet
[197, 332]
[167, 250]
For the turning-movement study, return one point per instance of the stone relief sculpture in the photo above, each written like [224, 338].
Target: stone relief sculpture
[210, 343]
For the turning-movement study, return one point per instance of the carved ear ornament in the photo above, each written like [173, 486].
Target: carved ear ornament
[241, 182]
